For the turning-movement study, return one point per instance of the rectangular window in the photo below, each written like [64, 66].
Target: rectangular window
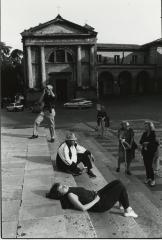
[99, 57]
[117, 59]
[60, 56]
[134, 59]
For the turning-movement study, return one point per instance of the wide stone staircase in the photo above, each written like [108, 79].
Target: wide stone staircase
[26, 213]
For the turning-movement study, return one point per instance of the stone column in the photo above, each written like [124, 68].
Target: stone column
[30, 72]
[43, 67]
[79, 77]
[92, 65]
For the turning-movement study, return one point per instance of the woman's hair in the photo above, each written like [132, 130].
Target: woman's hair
[123, 124]
[150, 124]
[54, 193]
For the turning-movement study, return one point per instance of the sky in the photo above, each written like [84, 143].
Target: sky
[116, 21]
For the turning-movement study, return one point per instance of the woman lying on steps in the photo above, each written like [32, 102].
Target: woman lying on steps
[100, 201]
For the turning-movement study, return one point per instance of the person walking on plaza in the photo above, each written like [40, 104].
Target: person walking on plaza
[102, 119]
[95, 201]
[149, 146]
[70, 154]
[127, 146]
[46, 102]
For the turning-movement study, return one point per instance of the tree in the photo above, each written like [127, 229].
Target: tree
[12, 79]
[16, 56]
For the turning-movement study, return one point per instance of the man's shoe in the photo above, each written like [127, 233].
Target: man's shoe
[152, 183]
[52, 140]
[147, 180]
[33, 137]
[118, 170]
[91, 174]
[77, 173]
[128, 173]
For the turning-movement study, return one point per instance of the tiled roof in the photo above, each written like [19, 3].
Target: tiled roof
[153, 43]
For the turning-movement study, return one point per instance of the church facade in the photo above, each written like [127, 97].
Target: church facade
[67, 56]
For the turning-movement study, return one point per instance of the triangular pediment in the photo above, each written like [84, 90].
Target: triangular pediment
[58, 26]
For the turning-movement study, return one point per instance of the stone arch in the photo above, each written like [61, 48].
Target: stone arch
[125, 82]
[105, 84]
[69, 54]
[143, 83]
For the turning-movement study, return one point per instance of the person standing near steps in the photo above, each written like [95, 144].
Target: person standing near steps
[46, 102]
[127, 146]
[149, 146]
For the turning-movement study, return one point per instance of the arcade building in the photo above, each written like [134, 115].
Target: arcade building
[67, 56]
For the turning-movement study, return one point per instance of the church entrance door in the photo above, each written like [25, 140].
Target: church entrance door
[61, 89]
[61, 83]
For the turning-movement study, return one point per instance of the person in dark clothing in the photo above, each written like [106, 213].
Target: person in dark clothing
[149, 145]
[95, 201]
[70, 154]
[127, 146]
[46, 103]
[102, 117]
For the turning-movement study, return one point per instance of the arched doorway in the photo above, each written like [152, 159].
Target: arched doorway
[143, 83]
[125, 80]
[105, 85]
[61, 71]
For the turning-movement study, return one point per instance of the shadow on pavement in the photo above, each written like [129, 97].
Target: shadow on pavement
[15, 135]
[40, 192]
[37, 159]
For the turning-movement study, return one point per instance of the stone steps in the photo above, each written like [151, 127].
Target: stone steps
[14, 151]
[138, 192]
[77, 223]
[38, 216]
[110, 224]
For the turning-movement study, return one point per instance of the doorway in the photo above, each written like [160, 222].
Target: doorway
[62, 84]
[105, 85]
[61, 89]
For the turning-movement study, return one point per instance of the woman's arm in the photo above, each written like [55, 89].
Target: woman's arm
[78, 205]
[142, 139]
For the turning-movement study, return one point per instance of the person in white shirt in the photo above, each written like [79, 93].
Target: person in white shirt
[70, 154]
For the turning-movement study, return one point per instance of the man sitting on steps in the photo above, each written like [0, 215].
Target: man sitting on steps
[70, 154]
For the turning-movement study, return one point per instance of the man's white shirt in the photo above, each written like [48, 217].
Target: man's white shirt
[63, 152]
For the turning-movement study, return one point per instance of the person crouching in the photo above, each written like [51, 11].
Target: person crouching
[70, 154]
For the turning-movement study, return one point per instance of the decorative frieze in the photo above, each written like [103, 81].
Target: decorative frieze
[50, 42]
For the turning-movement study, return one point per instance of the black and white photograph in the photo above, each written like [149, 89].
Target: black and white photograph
[81, 119]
